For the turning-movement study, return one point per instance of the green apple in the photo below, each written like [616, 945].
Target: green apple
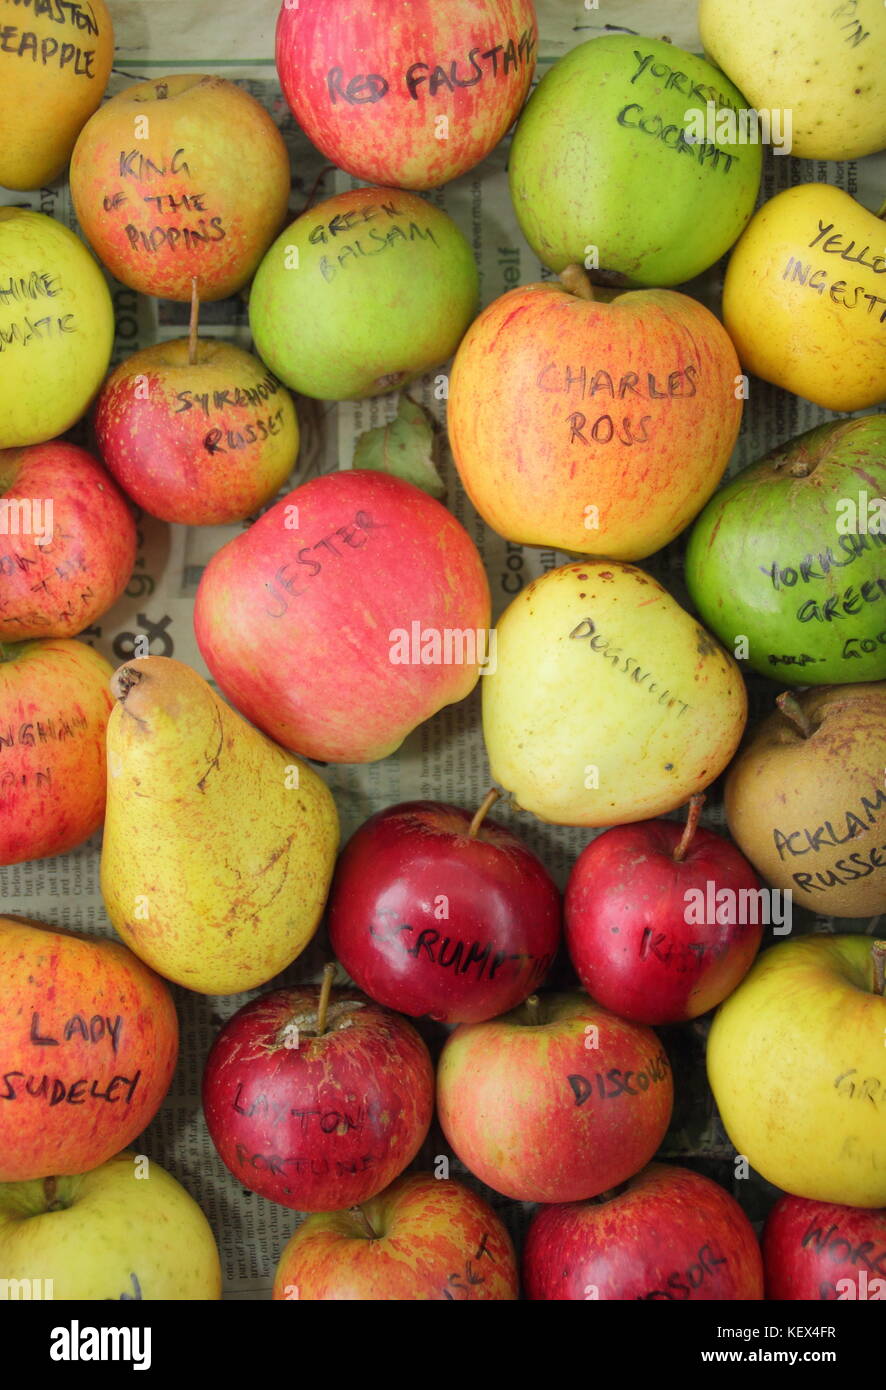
[56, 328]
[362, 294]
[790, 557]
[608, 169]
[608, 702]
[125, 1230]
[797, 1067]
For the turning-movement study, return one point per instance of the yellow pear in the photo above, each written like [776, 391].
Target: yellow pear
[805, 297]
[607, 703]
[219, 846]
[821, 61]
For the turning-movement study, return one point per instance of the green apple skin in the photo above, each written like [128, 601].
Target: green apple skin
[769, 558]
[110, 1235]
[584, 172]
[362, 294]
[56, 331]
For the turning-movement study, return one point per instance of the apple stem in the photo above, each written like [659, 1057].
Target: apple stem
[365, 1222]
[532, 1004]
[50, 1192]
[192, 327]
[576, 280]
[480, 814]
[315, 188]
[325, 990]
[6, 652]
[695, 804]
[881, 212]
[878, 956]
[795, 714]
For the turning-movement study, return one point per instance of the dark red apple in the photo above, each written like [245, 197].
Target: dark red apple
[433, 912]
[317, 1109]
[662, 922]
[669, 1234]
[823, 1251]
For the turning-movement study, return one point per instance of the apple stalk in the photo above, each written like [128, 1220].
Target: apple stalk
[325, 990]
[695, 804]
[480, 814]
[878, 959]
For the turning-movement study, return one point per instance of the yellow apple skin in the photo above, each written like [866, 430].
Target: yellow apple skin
[798, 1070]
[116, 1235]
[651, 712]
[54, 68]
[56, 334]
[822, 339]
[822, 61]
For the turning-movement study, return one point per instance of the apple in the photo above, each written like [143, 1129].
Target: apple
[805, 799]
[56, 327]
[598, 426]
[795, 1062]
[789, 554]
[608, 703]
[423, 1239]
[668, 1233]
[409, 96]
[317, 1105]
[180, 177]
[824, 1251]
[661, 924]
[556, 1101]
[608, 168]
[822, 64]
[811, 324]
[348, 614]
[54, 709]
[204, 443]
[334, 322]
[54, 67]
[124, 1230]
[68, 547]
[89, 1045]
[434, 911]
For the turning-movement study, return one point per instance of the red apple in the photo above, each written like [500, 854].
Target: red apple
[823, 1251]
[54, 709]
[317, 1113]
[661, 922]
[202, 443]
[409, 96]
[556, 1101]
[670, 1234]
[353, 610]
[68, 548]
[424, 1238]
[88, 1046]
[431, 913]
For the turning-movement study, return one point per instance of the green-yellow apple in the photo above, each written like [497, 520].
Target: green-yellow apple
[202, 443]
[822, 62]
[804, 298]
[54, 66]
[56, 328]
[124, 1230]
[336, 322]
[607, 169]
[88, 1046]
[805, 799]
[593, 425]
[609, 703]
[796, 1065]
[181, 177]
[790, 555]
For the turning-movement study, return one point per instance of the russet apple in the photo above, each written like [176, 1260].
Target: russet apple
[593, 425]
[88, 1044]
[180, 177]
[203, 443]
[824, 1251]
[408, 96]
[301, 618]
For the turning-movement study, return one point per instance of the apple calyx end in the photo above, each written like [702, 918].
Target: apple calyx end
[124, 679]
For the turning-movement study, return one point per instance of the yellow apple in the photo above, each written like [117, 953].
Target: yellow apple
[822, 61]
[798, 1070]
[805, 297]
[55, 61]
[56, 328]
[608, 703]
